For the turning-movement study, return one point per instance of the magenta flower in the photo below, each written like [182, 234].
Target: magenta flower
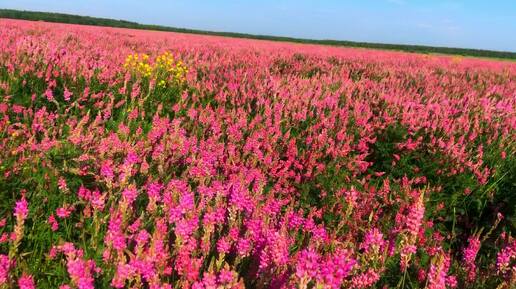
[61, 183]
[63, 212]
[26, 282]
[154, 190]
[5, 264]
[107, 171]
[506, 258]
[415, 216]
[373, 240]
[49, 94]
[307, 264]
[469, 256]
[21, 209]
[130, 194]
[365, 280]
[437, 275]
[226, 276]
[67, 94]
[54, 225]
[336, 268]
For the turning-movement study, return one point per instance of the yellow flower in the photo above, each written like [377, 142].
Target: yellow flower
[164, 69]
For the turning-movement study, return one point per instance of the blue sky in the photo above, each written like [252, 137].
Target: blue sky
[487, 24]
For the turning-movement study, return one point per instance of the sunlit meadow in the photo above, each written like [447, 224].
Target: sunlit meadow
[139, 159]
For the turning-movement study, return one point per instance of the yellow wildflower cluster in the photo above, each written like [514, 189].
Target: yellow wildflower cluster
[138, 63]
[456, 59]
[164, 70]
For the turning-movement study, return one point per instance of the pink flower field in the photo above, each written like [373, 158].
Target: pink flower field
[141, 159]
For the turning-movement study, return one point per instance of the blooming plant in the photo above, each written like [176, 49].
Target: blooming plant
[139, 159]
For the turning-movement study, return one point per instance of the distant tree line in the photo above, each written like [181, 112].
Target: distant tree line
[87, 20]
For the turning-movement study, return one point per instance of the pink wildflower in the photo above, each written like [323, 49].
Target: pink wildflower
[63, 212]
[107, 171]
[5, 264]
[437, 275]
[415, 216]
[507, 258]
[61, 183]
[21, 209]
[130, 194]
[226, 276]
[470, 254]
[373, 241]
[67, 94]
[153, 190]
[365, 280]
[26, 282]
[54, 225]
[307, 264]
[49, 94]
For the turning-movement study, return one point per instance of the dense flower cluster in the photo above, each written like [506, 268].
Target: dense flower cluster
[163, 71]
[262, 165]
